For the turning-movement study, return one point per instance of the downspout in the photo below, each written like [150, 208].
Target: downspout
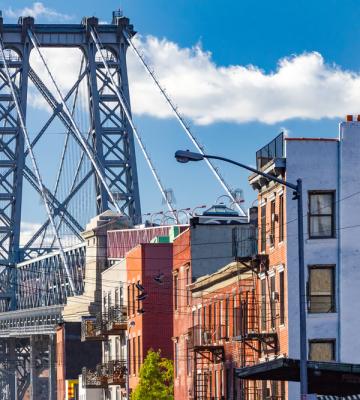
[338, 269]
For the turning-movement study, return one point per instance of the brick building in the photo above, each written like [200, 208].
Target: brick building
[210, 283]
[328, 168]
[150, 321]
[133, 281]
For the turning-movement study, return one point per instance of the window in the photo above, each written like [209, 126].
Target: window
[274, 389]
[272, 301]
[282, 297]
[216, 383]
[263, 228]
[321, 289]
[272, 226]
[227, 301]
[133, 297]
[322, 350]
[281, 218]
[109, 300]
[234, 317]
[128, 300]
[130, 354]
[139, 352]
[187, 289]
[176, 282]
[321, 215]
[282, 390]
[188, 358]
[263, 304]
[121, 296]
[228, 384]
[117, 348]
[204, 317]
[220, 333]
[117, 297]
[176, 364]
[105, 303]
[134, 356]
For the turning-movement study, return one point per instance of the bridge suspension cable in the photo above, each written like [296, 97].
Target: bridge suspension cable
[35, 167]
[133, 127]
[183, 124]
[76, 130]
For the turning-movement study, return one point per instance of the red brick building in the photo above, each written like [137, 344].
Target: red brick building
[150, 321]
[215, 305]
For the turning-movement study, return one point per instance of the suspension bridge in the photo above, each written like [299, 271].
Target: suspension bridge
[95, 171]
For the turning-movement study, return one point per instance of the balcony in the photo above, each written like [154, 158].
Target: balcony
[107, 374]
[200, 336]
[117, 372]
[95, 379]
[89, 329]
[116, 320]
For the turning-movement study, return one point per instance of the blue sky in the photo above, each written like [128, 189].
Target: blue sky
[236, 33]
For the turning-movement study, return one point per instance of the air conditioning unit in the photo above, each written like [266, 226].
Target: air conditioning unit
[275, 296]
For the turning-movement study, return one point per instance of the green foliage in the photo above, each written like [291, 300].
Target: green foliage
[156, 378]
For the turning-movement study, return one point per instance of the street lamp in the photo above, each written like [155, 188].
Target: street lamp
[183, 156]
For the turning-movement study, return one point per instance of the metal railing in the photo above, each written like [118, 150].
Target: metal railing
[117, 372]
[116, 316]
[274, 149]
[206, 335]
[111, 373]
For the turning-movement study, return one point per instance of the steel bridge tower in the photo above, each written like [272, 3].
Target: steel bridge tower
[108, 145]
[110, 135]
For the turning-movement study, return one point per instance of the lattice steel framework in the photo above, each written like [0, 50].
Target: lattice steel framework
[109, 137]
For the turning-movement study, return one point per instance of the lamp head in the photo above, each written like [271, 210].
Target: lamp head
[184, 156]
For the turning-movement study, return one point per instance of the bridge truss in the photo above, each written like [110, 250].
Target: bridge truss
[96, 171]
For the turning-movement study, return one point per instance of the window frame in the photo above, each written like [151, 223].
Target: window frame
[332, 215]
[332, 267]
[281, 218]
[272, 222]
[263, 228]
[263, 305]
[326, 340]
[176, 288]
[282, 297]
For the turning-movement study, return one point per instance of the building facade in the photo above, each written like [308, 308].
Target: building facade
[212, 278]
[328, 169]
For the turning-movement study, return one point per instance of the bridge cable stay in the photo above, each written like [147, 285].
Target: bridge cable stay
[133, 127]
[62, 159]
[35, 166]
[184, 125]
[77, 132]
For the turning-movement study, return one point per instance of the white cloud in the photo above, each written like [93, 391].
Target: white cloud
[302, 86]
[37, 10]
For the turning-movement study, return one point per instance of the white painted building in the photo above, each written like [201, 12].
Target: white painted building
[114, 348]
[329, 169]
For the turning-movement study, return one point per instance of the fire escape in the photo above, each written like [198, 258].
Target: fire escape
[113, 372]
[255, 331]
[205, 344]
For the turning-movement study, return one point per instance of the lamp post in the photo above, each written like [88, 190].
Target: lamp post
[186, 156]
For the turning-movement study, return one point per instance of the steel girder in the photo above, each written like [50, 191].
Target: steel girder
[111, 138]
[41, 281]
